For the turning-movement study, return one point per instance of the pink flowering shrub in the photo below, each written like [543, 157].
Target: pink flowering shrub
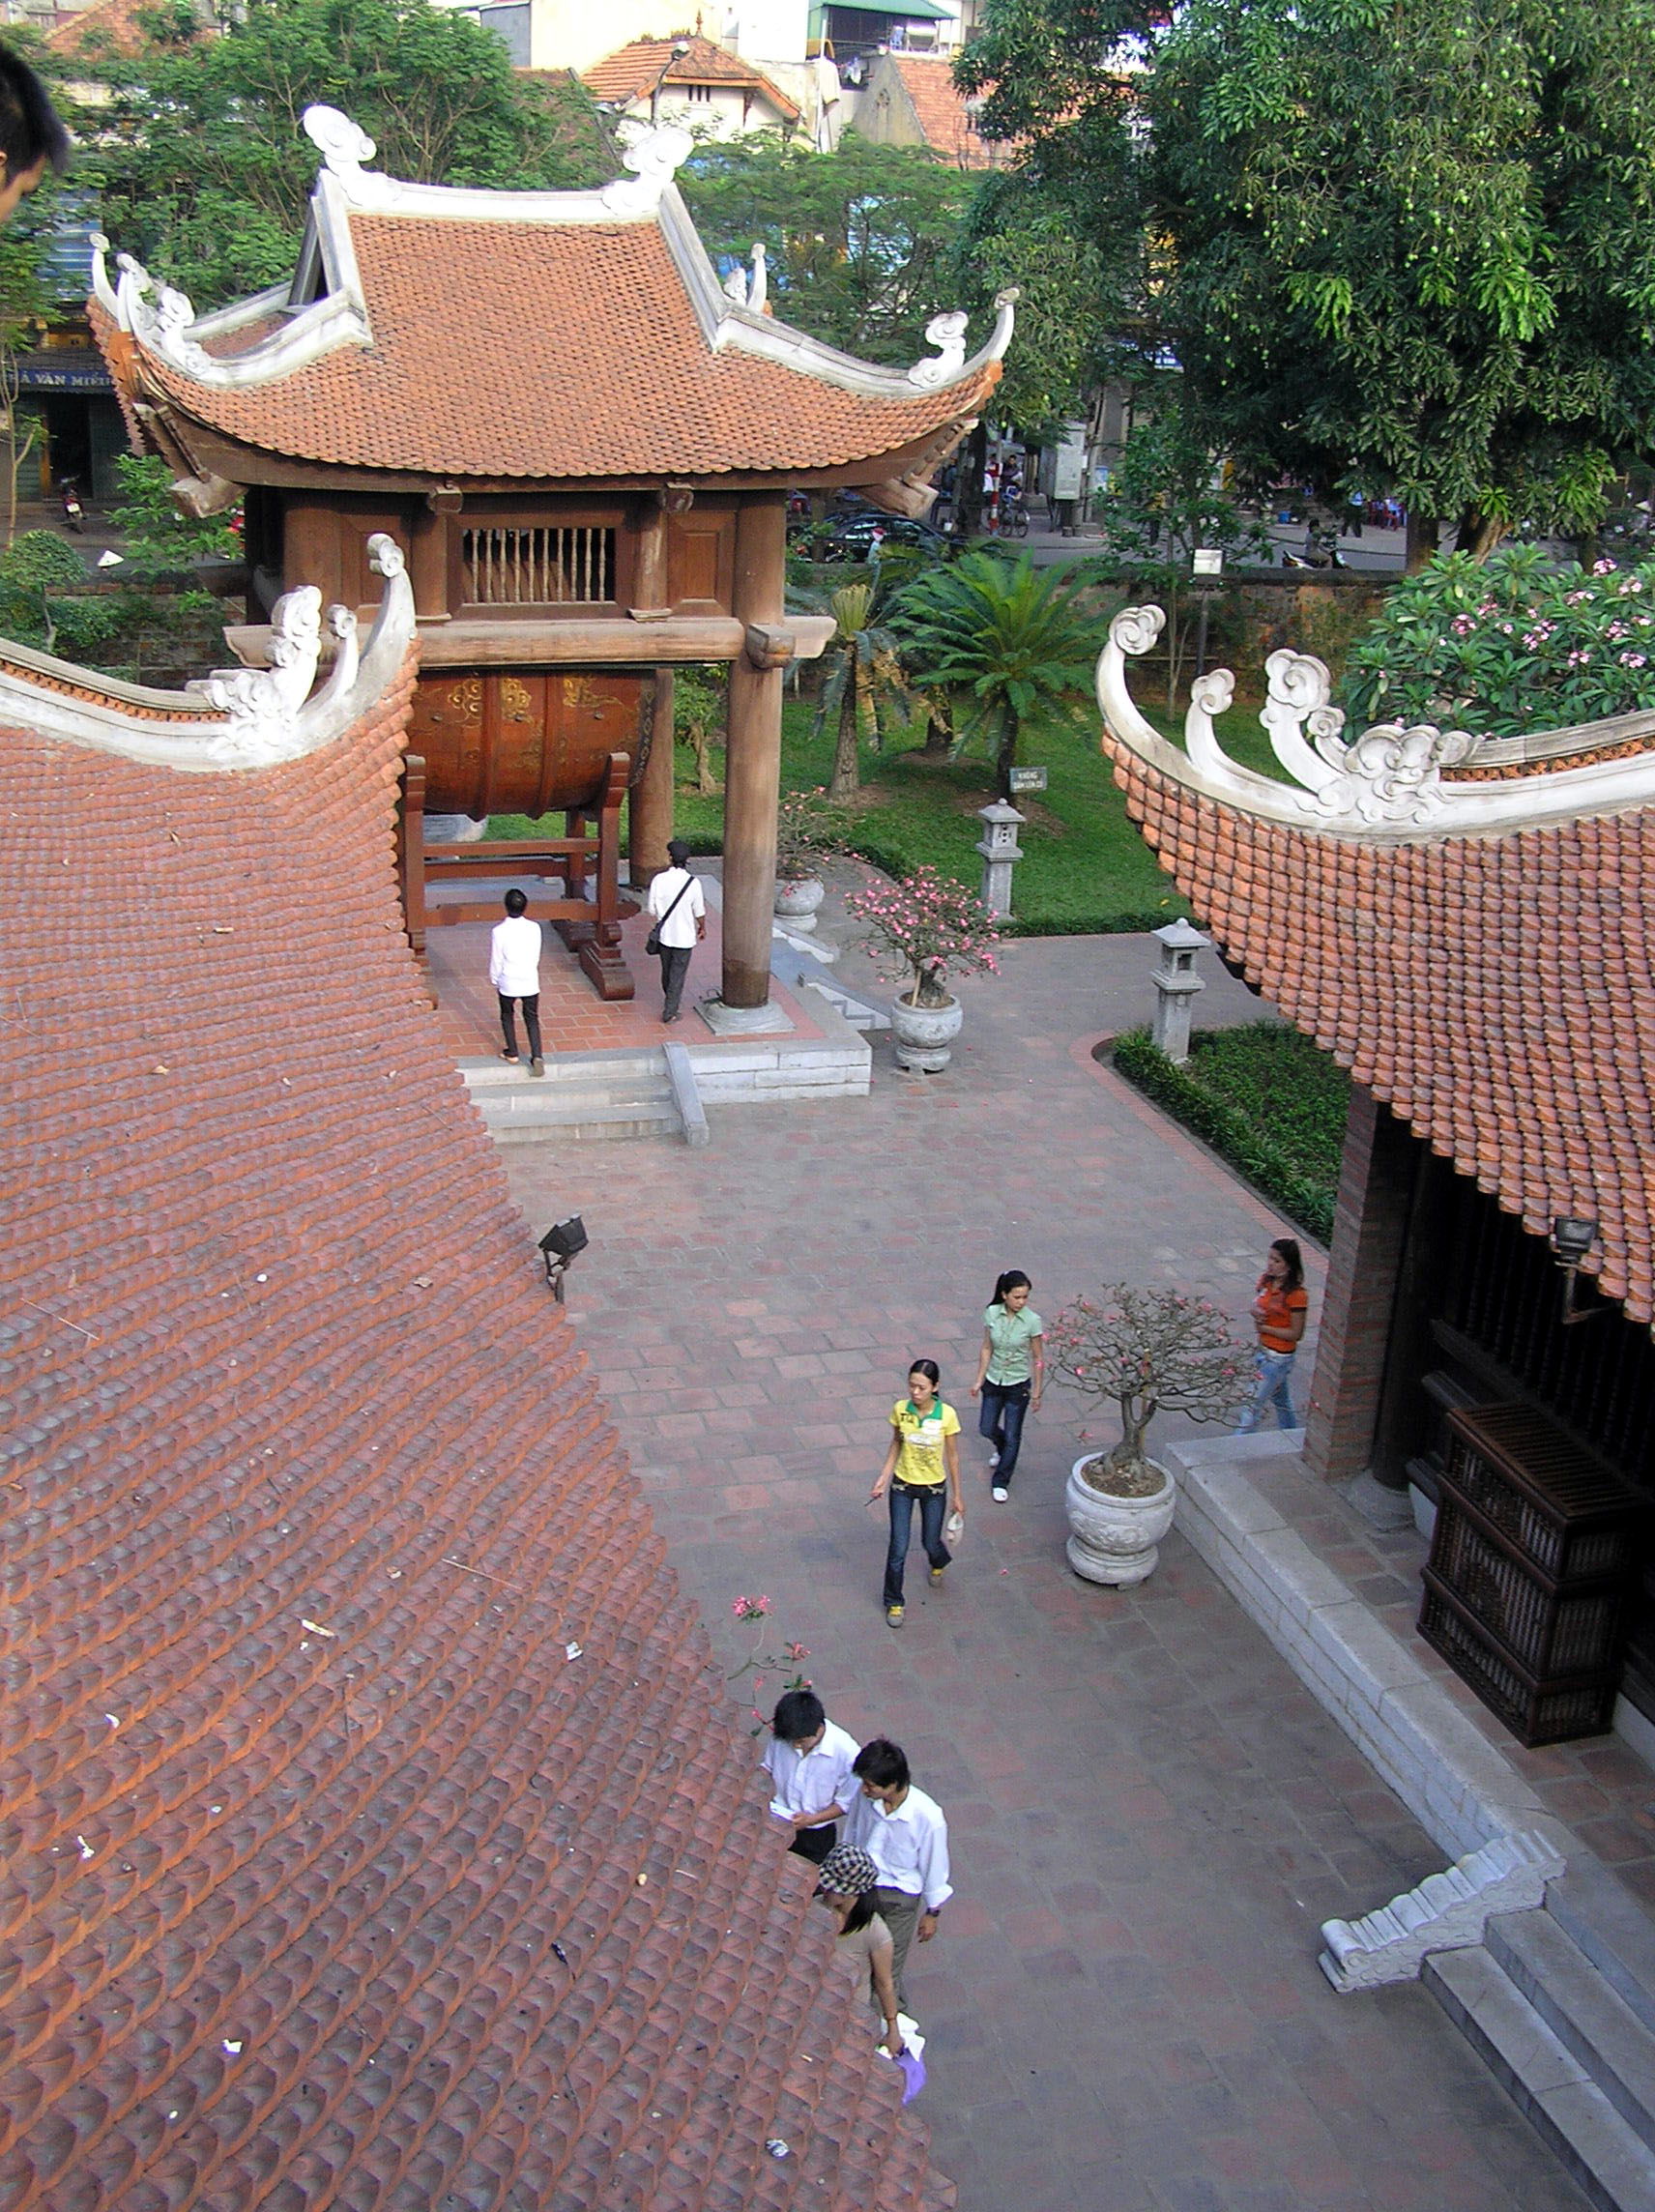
[758, 1664]
[924, 929]
[1146, 1352]
[1513, 643]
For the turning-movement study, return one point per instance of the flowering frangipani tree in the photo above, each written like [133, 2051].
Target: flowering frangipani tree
[1149, 1353]
[925, 928]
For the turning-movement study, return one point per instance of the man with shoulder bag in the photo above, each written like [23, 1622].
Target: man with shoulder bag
[679, 911]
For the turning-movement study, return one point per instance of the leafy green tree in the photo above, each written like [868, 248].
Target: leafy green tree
[858, 241]
[205, 174]
[865, 683]
[1169, 493]
[159, 537]
[1399, 244]
[1009, 642]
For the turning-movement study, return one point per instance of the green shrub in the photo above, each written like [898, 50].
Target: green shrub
[1267, 1100]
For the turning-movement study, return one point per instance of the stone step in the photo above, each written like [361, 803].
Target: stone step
[596, 1096]
[1571, 1995]
[584, 1119]
[1609, 2159]
[646, 1063]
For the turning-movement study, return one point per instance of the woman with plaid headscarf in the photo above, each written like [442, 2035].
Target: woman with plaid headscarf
[846, 1885]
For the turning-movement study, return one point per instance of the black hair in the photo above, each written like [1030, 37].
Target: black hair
[517, 901]
[1288, 1247]
[859, 1915]
[798, 1713]
[1013, 1279]
[882, 1763]
[929, 1369]
[31, 129]
[678, 852]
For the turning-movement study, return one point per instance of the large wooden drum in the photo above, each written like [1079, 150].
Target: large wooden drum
[524, 741]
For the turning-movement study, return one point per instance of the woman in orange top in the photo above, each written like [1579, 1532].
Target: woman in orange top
[1279, 1314]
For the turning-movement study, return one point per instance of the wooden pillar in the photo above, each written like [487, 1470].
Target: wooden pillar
[428, 561]
[650, 807]
[752, 759]
[310, 549]
[1377, 1175]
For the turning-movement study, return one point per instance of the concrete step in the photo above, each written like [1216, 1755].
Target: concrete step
[600, 1096]
[1610, 2161]
[1571, 1995]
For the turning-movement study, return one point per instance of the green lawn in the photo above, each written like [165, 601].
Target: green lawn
[1084, 867]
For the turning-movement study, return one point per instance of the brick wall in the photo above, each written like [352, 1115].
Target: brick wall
[1370, 1225]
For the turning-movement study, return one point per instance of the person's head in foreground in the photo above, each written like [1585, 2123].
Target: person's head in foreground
[32, 135]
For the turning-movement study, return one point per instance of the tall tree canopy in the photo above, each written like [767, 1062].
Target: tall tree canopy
[1405, 244]
[204, 172]
[859, 240]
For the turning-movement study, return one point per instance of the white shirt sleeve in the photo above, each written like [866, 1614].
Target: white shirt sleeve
[694, 900]
[933, 1863]
[496, 956]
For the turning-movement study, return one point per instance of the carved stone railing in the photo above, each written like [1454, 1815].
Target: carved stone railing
[1391, 779]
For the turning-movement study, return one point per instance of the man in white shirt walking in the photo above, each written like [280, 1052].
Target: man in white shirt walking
[514, 971]
[808, 1761]
[904, 1833]
[678, 911]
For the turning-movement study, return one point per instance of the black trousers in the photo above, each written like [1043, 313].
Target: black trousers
[530, 1022]
[675, 967]
[814, 1844]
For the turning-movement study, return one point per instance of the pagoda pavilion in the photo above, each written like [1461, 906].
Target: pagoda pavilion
[584, 444]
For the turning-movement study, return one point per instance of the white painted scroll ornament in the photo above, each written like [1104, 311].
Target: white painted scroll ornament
[260, 704]
[1448, 1911]
[653, 153]
[947, 332]
[345, 146]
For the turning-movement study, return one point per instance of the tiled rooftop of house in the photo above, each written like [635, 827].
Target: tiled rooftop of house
[634, 69]
[375, 1832]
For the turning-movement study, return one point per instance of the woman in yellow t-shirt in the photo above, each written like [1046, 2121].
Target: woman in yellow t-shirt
[923, 1462]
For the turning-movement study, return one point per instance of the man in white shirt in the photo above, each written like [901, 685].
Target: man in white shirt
[809, 1760]
[514, 971]
[904, 1833]
[678, 911]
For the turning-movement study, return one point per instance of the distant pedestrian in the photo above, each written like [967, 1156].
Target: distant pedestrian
[679, 909]
[922, 1464]
[863, 1944]
[904, 1833]
[1279, 1311]
[1011, 1374]
[808, 1761]
[514, 971]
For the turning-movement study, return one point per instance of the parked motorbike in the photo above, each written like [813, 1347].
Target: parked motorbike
[74, 514]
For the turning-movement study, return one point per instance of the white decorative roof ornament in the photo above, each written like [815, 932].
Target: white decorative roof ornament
[343, 145]
[260, 703]
[947, 332]
[653, 152]
[760, 286]
[1386, 781]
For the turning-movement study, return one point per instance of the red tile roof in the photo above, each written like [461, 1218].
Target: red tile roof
[323, 1864]
[944, 120]
[111, 23]
[546, 350]
[633, 71]
[1497, 992]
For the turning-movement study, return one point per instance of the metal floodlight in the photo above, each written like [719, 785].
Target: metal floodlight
[562, 1242]
[1571, 1239]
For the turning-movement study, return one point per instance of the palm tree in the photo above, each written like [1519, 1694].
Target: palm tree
[865, 687]
[1009, 642]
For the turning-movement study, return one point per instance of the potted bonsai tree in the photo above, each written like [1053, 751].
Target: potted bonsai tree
[1145, 1352]
[924, 929]
[807, 834]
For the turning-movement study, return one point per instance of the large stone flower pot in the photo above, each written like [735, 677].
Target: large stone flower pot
[1115, 1540]
[796, 902]
[923, 1035]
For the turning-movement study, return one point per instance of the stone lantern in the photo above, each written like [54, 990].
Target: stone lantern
[1175, 986]
[999, 852]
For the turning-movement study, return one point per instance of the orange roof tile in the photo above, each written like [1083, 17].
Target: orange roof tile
[1496, 991]
[940, 109]
[113, 23]
[609, 376]
[323, 1862]
[635, 70]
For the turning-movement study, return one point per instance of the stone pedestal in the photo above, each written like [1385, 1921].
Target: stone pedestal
[1000, 852]
[1175, 986]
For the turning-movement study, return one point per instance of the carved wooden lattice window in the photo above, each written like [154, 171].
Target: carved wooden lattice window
[557, 566]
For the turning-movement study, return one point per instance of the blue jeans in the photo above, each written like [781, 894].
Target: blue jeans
[1274, 1374]
[1004, 1405]
[933, 1499]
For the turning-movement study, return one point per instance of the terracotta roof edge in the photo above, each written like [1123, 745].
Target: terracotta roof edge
[1385, 783]
[235, 719]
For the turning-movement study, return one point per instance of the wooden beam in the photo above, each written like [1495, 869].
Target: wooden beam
[752, 759]
[583, 642]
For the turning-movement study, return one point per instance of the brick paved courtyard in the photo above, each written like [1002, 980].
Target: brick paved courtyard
[1150, 1815]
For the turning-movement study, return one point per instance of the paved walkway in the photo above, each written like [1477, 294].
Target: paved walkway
[1150, 1815]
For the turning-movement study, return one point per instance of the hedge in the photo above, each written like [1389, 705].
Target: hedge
[1266, 1098]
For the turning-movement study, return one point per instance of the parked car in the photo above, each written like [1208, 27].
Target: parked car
[853, 536]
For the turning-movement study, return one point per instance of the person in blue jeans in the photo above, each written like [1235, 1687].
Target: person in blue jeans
[1280, 1310]
[922, 1464]
[1011, 1374]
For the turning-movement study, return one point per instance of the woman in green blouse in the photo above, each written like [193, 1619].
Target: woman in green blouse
[1011, 1374]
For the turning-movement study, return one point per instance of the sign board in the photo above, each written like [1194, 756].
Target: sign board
[1068, 469]
[1028, 779]
[1208, 561]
